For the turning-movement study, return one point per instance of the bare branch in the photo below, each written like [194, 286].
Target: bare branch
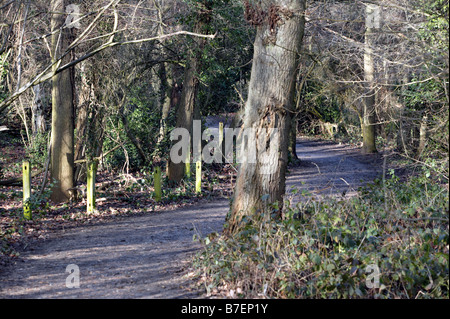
[46, 74]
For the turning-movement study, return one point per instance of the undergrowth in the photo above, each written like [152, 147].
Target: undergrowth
[391, 241]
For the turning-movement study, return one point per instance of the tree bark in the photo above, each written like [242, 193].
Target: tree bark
[422, 135]
[293, 157]
[261, 178]
[85, 97]
[165, 100]
[37, 111]
[185, 111]
[62, 153]
[368, 125]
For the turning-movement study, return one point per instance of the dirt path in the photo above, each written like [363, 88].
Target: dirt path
[144, 256]
[134, 257]
[331, 169]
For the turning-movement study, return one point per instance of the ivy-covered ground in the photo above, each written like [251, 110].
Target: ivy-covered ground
[389, 240]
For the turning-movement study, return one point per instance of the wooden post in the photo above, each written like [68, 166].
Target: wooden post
[198, 177]
[157, 183]
[90, 190]
[26, 190]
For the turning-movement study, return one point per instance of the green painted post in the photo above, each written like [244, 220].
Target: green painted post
[198, 177]
[220, 133]
[26, 190]
[90, 190]
[188, 164]
[221, 146]
[157, 183]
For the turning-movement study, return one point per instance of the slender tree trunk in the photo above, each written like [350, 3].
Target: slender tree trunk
[422, 135]
[261, 178]
[62, 153]
[174, 100]
[402, 123]
[37, 111]
[185, 111]
[85, 97]
[165, 100]
[293, 157]
[301, 79]
[136, 142]
[89, 122]
[369, 135]
[167, 83]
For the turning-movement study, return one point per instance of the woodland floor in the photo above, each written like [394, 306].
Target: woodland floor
[146, 255]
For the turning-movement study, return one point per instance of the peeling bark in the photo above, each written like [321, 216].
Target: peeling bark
[269, 106]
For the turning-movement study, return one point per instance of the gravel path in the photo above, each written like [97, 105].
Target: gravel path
[144, 256]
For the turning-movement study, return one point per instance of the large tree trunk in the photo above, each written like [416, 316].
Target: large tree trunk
[62, 148]
[261, 178]
[368, 124]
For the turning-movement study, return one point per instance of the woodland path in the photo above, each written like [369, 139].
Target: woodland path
[145, 256]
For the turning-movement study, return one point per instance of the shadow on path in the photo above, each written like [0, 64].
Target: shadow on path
[143, 256]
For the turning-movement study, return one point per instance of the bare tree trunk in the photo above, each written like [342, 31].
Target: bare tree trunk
[136, 142]
[261, 178]
[166, 84]
[185, 111]
[422, 135]
[368, 124]
[62, 152]
[293, 157]
[37, 111]
[301, 79]
[85, 97]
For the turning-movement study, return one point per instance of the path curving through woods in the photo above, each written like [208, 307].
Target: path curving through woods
[331, 169]
[145, 256]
